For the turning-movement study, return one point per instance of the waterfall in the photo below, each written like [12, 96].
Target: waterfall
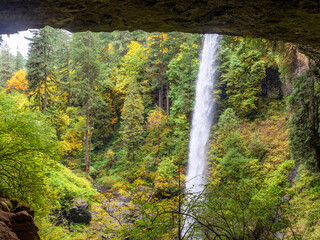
[202, 118]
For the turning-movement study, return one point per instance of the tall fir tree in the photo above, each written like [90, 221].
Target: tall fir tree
[18, 61]
[6, 70]
[182, 72]
[86, 81]
[132, 122]
[40, 67]
[63, 66]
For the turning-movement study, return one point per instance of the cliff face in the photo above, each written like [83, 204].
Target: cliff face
[17, 226]
[292, 21]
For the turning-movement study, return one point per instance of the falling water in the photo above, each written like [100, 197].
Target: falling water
[202, 117]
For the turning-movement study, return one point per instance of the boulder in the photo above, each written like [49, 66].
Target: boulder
[17, 226]
[79, 212]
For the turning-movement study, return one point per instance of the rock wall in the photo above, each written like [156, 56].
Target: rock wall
[17, 226]
[16, 221]
[293, 21]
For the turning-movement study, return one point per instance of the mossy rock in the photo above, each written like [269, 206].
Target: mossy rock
[4, 206]
[14, 202]
[24, 207]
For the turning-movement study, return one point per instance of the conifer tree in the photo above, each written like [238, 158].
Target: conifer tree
[18, 61]
[63, 65]
[6, 70]
[304, 134]
[242, 69]
[40, 71]
[182, 72]
[132, 121]
[86, 80]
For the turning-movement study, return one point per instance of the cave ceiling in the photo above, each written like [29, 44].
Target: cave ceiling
[286, 20]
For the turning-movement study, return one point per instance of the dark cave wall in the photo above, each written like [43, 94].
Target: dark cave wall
[292, 21]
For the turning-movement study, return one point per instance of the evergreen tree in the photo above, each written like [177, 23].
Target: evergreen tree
[182, 72]
[243, 66]
[86, 80]
[18, 61]
[157, 51]
[40, 67]
[6, 70]
[305, 104]
[63, 66]
[132, 122]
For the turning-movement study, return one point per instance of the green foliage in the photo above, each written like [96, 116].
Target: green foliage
[228, 122]
[40, 67]
[6, 69]
[243, 66]
[304, 103]
[245, 193]
[155, 221]
[132, 122]
[131, 96]
[303, 209]
[28, 151]
[49, 231]
[87, 74]
[68, 185]
[182, 71]
[19, 62]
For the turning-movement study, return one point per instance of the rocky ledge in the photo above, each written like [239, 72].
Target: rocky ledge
[293, 21]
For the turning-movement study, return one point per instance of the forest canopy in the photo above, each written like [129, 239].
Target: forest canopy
[106, 117]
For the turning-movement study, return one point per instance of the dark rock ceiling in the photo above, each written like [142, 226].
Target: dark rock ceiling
[287, 20]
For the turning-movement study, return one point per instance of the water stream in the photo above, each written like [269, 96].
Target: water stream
[203, 114]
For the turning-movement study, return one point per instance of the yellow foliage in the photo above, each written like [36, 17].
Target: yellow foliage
[17, 82]
[156, 119]
[130, 66]
[157, 38]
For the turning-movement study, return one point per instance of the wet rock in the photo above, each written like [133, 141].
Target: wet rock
[79, 212]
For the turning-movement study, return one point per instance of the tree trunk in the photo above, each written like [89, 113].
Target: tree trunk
[86, 158]
[168, 100]
[68, 74]
[160, 76]
[89, 154]
[87, 114]
[179, 204]
[45, 70]
[160, 90]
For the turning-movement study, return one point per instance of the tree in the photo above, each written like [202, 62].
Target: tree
[182, 73]
[304, 103]
[40, 71]
[6, 70]
[131, 67]
[157, 50]
[86, 81]
[28, 148]
[243, 66]
[18, 61]
[18, 82]
[63, 66]
[132, 122]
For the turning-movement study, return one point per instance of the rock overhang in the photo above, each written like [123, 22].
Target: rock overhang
[286, 20]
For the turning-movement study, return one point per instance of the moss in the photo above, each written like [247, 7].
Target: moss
[4, 206]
